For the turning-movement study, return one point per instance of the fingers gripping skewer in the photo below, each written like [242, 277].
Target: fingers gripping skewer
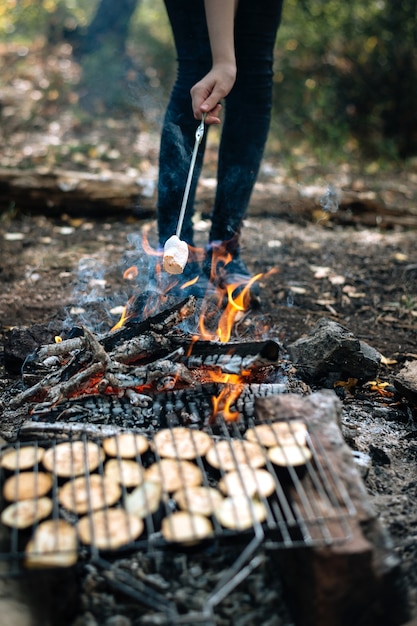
[175, 250]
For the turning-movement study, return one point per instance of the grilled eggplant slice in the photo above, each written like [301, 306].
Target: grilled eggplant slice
[181, 443]
[89, 493]
[247, 481]
[54, 544]
[73, 458]
[289, 456]
[200, 500]
[109, 529]
[125, 472]
[174, 474]
[278, 433]
[227, 455]
[240, 512]
[145, 499]
[186, 528]
[27, 485]
[25, 513]
[126, 445]
[21, 458]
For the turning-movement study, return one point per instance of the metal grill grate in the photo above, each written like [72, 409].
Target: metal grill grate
[308, 504]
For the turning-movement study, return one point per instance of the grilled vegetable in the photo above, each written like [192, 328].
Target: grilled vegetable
[182, 443]
[25, 513]
[227, 455]
[126, 445]
[145, 499]
[284, 457]
[54, 544]
[21, 458]
[27, 485]
[278, 433]
[73, 458]
[240, 512]
[89, 493]
[125, 472]
[109, 529]
[247, 481]
[187, 528]
[174, 474]
[200, 500]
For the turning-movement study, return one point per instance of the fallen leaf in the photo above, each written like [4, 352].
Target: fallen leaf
[387, 361]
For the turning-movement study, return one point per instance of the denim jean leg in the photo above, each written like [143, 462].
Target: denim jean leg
[247, 115]
[187, 19]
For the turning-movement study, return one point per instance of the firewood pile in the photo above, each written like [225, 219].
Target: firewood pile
[147, 367]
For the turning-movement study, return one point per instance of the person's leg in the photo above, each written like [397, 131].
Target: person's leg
[188, 23]
[247, 117]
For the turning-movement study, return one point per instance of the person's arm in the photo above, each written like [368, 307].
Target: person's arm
[206, 94]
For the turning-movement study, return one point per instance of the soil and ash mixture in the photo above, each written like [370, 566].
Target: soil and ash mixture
[54, 267]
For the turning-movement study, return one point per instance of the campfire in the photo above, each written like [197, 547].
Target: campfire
[147, 352]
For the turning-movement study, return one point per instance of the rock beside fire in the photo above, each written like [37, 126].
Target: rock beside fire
[330, 352]
[406, 381]
[20, 343]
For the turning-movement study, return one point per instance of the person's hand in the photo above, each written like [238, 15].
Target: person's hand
[206, 94]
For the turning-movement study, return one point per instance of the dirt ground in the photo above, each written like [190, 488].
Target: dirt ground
[362, 277]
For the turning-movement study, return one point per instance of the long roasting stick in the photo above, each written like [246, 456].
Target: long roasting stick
[175, 250]
[198, 138]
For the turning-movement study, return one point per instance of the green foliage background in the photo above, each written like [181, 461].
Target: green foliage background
[346, 72]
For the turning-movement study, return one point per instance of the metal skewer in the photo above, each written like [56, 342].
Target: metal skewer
[175, 250]
[198, 137]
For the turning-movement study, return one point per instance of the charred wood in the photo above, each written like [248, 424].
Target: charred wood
[162, 322]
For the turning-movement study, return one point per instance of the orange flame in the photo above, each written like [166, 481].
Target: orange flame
[131, 273]
[147, 248]
[238, 298]
[190, 282]
[234, 385]
[124, 316]
[222, 317]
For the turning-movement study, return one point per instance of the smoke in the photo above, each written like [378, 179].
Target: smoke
[95, 306]
[329, 202]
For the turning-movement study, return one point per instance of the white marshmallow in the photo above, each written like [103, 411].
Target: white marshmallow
[175, 255]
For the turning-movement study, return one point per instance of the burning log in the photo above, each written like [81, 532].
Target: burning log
[162, 322]
[143, 359]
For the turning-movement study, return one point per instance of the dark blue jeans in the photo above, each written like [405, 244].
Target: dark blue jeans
[247, 113]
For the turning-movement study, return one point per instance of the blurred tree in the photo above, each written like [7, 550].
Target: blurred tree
[346, 72]
[109, 27]
[348, 75]
[101, 48]
[382, 85]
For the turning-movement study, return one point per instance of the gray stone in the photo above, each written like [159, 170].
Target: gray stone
[331, 352]
[406, 381]
[118, 620]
